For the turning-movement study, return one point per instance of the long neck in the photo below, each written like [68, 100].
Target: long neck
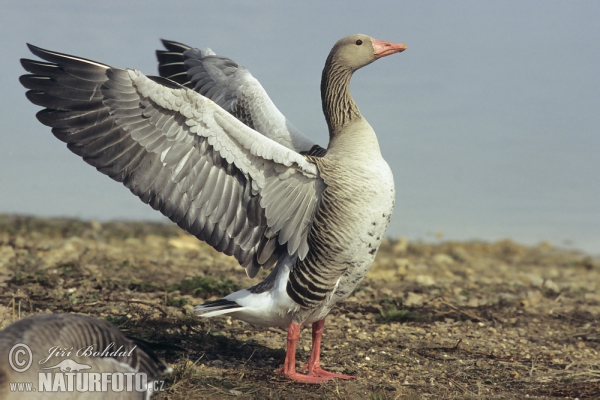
[338, 106]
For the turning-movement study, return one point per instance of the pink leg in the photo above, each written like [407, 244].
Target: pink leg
[316, 374]
[314, 362]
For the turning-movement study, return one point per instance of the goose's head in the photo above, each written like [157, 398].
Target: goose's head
[356, 51]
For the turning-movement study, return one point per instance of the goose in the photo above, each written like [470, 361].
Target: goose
[206, 146]
[49, 344]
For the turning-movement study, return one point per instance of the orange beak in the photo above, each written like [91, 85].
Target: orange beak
[383, 49]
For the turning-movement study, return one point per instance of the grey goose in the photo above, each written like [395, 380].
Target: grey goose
[205, 146]
[63, 344]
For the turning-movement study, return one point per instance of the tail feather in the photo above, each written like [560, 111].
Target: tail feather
[218, 307]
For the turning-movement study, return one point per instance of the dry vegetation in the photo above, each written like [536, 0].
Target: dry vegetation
[450, 320]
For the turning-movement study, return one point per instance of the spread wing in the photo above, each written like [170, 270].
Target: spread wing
[233, 88]
[220, 180]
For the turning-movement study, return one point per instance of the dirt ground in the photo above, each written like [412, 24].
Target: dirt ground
[448, 320]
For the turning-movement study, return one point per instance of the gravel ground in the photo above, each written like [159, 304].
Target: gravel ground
[446, 320]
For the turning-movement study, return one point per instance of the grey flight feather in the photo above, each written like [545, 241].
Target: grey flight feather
[233, 88]
[182, 154]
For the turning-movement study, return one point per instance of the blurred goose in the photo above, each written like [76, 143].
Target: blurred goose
[56, 345]
[206, 147]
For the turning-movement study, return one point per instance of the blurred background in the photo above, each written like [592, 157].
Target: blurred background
[490, 120]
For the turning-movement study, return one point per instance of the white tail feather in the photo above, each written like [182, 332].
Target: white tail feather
[213, 313]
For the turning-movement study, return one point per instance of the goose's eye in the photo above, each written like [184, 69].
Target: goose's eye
[358, 42]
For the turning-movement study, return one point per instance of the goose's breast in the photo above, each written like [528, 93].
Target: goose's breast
[367, 196]
[356, 209]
